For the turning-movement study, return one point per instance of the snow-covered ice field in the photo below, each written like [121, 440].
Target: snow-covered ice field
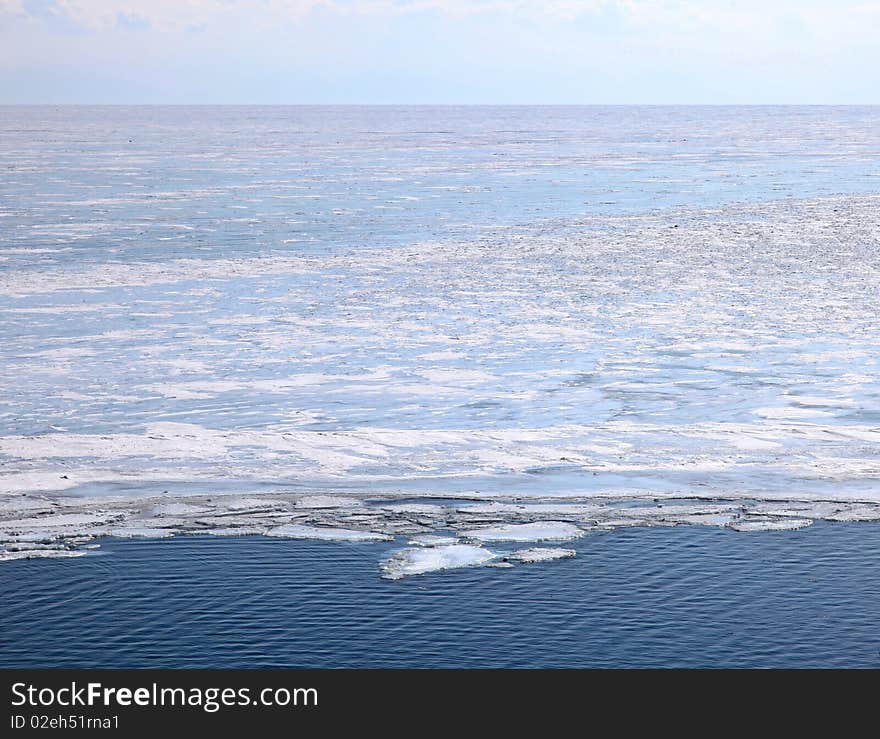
[360, 326]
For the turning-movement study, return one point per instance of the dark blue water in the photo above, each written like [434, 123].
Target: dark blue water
[664, 597]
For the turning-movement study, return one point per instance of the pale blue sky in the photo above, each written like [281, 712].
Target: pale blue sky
[440, 51]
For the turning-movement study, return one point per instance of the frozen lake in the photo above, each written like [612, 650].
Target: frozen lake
[383, 323]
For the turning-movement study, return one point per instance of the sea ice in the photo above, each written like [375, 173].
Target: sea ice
[254, 504]
[537, 531]
[18, 504]
[418, 561]
[327, 501]
[427, 508]
[756, 524]
[298, 531]
[235, 531]
[541, 554]
[432, 540]
[145, 532]
[40, 553]
[178, 509]
[856, 513]
[61, 520]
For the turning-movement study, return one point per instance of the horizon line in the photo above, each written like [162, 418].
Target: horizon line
[437, 104]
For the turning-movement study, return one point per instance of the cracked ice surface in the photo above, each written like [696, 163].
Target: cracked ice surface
[603, 373]
[60, 525]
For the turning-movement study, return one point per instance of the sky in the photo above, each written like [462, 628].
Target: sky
[440, 51]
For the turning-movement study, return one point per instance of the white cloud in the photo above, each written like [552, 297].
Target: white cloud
[649, 16]
[635, 44]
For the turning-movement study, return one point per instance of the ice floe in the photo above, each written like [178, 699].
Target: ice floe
[432, 540]
[236, 531]
[9, 556]
[855, 513]
[63, 524]
[140, 532]
[328, 501]
[779, 524]
[421, 560]
[536, 531]
[178, 509]
[540, 554]
[295, 531]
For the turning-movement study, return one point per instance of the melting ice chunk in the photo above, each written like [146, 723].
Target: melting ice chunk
[856, 513]
[35, 553]
[537, 531]
[418, 561]
[432, 540]
[298, 531]
[327, 501]
[768, 524]
[235, 531]
[146, 532]
[541, 554]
